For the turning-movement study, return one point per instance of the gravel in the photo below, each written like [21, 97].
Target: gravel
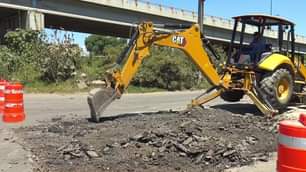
[196, 140]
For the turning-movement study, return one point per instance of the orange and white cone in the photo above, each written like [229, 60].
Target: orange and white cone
[3, 84]
[14, 106]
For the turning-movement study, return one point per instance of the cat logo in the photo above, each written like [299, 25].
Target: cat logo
[179, 40]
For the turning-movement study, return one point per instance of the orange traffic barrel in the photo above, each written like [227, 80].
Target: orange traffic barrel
[14, 107]
[292, 146]
[3, 84]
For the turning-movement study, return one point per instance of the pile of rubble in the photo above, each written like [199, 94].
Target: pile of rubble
[197, 140]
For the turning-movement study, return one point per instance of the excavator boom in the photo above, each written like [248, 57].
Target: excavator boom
[119, 78]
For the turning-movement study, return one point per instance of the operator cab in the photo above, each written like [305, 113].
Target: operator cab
[253, 39]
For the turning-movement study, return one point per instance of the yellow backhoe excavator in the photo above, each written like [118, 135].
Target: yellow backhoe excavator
[271, 77]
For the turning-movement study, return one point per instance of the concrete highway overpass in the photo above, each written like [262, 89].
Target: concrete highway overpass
[111, 17]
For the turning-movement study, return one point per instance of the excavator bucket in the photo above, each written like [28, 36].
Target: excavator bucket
[98, 100]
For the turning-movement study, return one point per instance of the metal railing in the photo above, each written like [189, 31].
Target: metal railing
[142, 5]
[173, 12]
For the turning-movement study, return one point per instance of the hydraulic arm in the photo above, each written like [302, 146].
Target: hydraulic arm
[191, 43]
[119, 78]
[268, 83]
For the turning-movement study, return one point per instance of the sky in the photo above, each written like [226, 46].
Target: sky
[294, 10]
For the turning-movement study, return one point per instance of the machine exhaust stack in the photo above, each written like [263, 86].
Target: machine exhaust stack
[201, 15]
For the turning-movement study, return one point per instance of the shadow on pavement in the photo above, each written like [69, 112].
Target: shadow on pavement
[239, 108]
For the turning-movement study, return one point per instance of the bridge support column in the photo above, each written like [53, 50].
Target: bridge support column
[30, 20]
[34, 21]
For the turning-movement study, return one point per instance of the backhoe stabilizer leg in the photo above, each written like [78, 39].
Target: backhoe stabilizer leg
[205, 98]
[98, 100]
[265, 109]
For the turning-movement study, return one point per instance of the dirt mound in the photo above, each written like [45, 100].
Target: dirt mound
[197, 140]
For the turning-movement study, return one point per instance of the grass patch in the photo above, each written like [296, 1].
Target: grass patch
[70, 87]
[62, 87]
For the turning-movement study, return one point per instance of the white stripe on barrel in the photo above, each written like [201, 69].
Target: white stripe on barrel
[292, 142]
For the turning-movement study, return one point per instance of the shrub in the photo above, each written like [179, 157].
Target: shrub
[59, 62]
[32, 57]
[98, 45]
[29, 56]
[167, 68]
[7, 64]
[103, 51]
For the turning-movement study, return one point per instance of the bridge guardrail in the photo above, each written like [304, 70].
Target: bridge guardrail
[173, 12]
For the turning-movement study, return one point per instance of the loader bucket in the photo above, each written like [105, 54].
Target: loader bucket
[98, 100]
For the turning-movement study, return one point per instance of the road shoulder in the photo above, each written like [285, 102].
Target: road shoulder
[13, 157]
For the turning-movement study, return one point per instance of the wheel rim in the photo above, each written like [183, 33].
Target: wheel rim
[283, 89]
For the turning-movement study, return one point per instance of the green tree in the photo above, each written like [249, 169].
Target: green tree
[28, 56]
[23, 41]
[104, 50]
[167, 68]
[20, 55]
[60, 61]
[97, 44]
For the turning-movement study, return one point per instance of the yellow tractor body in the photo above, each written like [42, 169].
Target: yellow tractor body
[274, 61]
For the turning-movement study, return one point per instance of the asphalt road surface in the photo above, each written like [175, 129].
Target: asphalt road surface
[43, 107]
[40, 107]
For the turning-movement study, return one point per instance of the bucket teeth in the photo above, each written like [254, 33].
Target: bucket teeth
[98, 100]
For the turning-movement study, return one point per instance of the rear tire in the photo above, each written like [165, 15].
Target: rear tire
[277, 88]
[232, 96]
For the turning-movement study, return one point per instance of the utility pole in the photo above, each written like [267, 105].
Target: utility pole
[201, 15]
[34, 3]
[271, 7]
